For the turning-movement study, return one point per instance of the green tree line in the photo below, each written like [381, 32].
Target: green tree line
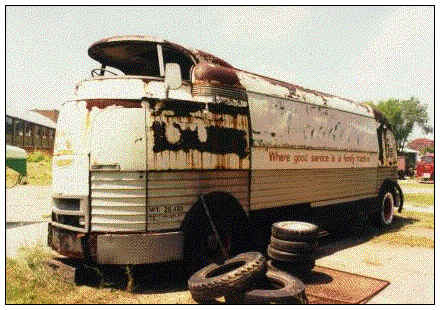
[403, 115]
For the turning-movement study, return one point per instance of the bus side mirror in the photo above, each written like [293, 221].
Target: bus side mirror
[173, 77]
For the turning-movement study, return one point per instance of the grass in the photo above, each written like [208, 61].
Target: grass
[29, 281]
[39, 170]
[416, 185]
[419, 199]
[403, 231]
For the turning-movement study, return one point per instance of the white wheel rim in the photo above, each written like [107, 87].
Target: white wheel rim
[388, 208]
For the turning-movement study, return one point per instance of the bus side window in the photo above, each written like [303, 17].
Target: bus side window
[380, 131]
[9, 130]
[173, 56]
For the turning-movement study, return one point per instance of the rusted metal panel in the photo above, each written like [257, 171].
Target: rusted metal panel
[280, 122]
[192, 135]
[271, 188]
[104, 51]
[216, 75]
[118, 201]
[66, 242]
[172, 194]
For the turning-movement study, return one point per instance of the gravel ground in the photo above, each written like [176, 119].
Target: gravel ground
[28, 203]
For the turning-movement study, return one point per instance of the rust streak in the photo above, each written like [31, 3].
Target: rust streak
[103, 103]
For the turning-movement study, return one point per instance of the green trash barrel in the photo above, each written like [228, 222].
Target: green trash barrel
[16, 159]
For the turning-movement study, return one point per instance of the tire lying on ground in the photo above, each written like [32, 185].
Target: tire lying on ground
[294, 231]
[278, 288]
[233, 277]
[303, 268]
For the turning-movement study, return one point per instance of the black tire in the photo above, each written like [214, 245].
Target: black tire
[384, 216]
[298, 269]
[288, 290]
[286, 256]
[200, 244]
[296, 247]
[294, 231]
[235, 276]
[398, 197]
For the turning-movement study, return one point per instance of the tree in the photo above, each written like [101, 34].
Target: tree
[428, 149]
[402, 116]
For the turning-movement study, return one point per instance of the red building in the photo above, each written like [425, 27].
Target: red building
[421, 144]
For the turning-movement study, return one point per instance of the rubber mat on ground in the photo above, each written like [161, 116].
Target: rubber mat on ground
[329, 286]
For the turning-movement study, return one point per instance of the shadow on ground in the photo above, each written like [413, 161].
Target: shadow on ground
[358, 234]
[171, 277]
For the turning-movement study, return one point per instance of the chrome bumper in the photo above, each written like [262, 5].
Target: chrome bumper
[118, 249]
[139, 248]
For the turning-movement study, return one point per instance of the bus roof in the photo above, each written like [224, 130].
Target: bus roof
[114, 49]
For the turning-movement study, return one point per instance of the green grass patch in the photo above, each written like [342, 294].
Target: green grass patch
[29, 281]
[11, 177]
[403, 230]
[398, 239]
[417, 219]
[37, 156]
[419, 199]
[417, 185]
[39, 170]
[40, 173]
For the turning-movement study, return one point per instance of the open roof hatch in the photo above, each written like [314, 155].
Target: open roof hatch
[138, 55]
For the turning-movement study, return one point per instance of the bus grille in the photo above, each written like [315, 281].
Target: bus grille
[118, 201]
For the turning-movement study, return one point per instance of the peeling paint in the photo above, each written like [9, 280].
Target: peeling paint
[104, 103]
[219, 140]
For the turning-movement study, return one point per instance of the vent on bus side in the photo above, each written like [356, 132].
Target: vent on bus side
[224, 91]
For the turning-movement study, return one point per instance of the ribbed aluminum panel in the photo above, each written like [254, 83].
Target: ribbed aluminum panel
[172, 194]
[118, 201]
[271, 188]
[384, 173]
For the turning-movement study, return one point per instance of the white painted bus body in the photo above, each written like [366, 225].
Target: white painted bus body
[132, 157]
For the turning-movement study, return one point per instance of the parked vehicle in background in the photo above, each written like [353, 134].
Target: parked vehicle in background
[163, 138]
[16, 160]
[425, 168]
[406, 163]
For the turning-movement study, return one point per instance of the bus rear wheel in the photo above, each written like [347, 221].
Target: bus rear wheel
[201, 247]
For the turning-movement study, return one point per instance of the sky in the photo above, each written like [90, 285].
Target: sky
[361, 53]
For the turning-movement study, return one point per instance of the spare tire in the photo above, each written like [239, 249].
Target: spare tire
[278, 288]
[294, 231]
[234, 276]
[301, 268]
[286, 256]
[298, 247]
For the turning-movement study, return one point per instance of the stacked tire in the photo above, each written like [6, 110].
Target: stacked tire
[292, 246]
[244, 280]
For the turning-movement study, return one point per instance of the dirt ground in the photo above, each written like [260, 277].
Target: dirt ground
[410, 270]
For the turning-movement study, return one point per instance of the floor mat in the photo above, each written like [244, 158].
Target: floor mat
[329, 286]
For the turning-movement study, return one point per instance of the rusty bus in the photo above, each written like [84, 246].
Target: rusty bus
[160, 130]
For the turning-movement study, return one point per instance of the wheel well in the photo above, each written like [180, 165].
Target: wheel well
[387, 184]
[218, 203]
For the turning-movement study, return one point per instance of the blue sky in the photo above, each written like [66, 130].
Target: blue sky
[362, 53]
